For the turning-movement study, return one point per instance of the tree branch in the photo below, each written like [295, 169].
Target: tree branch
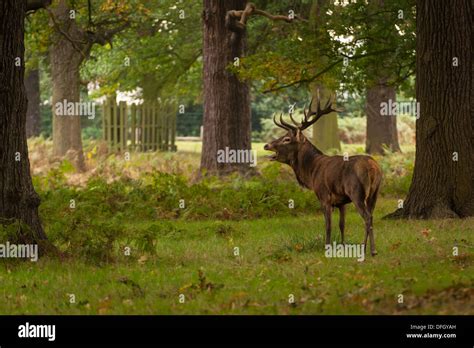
[73, 42]
[236, 21]
[89, 10]
[306, 80]
[104, 36]
[326, 69]
[33, 5]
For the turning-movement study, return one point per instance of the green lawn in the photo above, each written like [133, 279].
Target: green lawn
[278, 257]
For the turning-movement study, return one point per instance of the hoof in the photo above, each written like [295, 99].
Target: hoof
[373, 253]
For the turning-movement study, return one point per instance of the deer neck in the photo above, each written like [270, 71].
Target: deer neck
[304, 163]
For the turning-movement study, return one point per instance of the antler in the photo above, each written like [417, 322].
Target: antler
[283, 124]
[307, 121]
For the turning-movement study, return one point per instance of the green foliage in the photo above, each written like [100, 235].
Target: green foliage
[378, 41]
[161, 53]
[158, 195]
[383, 34]
[398, 172]
[37, 33]
[352, 130]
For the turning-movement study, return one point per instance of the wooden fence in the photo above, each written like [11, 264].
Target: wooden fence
[139, 127]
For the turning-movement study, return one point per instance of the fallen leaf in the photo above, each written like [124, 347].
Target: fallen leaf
[143, 259]
[426, 232]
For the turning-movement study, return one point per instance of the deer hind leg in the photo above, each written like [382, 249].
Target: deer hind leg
[327, 218]
[367, 216]
[373, 252]
[371, 206]
[342, 220]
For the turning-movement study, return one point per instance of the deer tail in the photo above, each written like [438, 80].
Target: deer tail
[374, 178]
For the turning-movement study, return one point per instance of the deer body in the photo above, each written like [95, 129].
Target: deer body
[335, 180]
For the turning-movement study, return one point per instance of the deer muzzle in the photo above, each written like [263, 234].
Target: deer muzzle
[269, 147]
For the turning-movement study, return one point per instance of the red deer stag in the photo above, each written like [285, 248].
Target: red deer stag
[336, 180]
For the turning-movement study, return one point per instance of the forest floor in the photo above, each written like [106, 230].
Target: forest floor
[129, 250]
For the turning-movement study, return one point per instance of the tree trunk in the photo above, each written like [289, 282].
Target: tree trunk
[227, 115]
[326, 131]
[150, 88]
[381, 129]
[33, 114]
[65, 63]
[443, 181]
[19, 201]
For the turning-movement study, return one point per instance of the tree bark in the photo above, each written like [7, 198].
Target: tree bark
[381, 129]
[18, 202]
[66, 59]
[227, 115]
[33, 114]
[443, 186]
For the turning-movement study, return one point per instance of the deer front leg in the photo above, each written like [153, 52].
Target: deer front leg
[327, 217]
[342, 221]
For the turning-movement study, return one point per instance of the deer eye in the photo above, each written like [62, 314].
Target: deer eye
[286, 140]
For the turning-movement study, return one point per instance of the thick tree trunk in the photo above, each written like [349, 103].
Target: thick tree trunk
[18, 201]
[381, 129]
[227, 115]
[33, 114]
[65, 63]
[326, 131]
[443, 180]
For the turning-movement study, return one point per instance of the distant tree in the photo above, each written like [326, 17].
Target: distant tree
[381, 129]
[382, 32]
[36, 49]
[33, 114]
[325, 131]
[71, 44]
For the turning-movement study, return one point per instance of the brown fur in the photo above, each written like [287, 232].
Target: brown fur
[335, 181]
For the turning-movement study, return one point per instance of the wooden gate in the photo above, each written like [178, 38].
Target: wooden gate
[139, 127]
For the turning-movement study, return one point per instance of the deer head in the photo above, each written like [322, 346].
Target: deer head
[286, 148]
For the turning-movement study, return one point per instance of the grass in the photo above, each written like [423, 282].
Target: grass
[280, 254]
[277, 257]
